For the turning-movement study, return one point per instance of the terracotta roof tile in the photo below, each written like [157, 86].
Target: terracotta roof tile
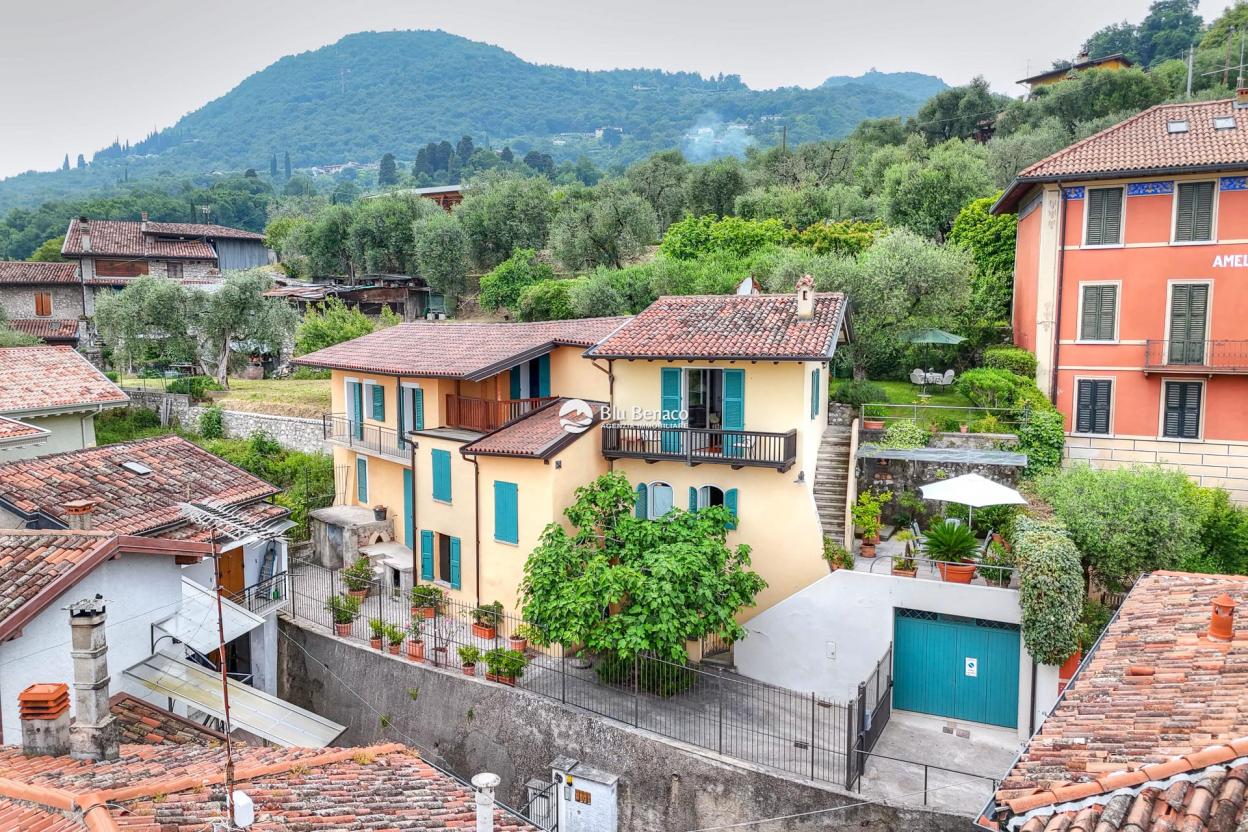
[123, 238]
[128, 502]
[728, 326]
[48, 329]
[143, 722]
[539, 434]
[17, 815]
[22, 272]
[30, 560]
[11, 429]
[50, 378]
[195, 229]
[451, 349]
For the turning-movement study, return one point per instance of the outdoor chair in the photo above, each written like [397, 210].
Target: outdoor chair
[917, 376]
[948, 378]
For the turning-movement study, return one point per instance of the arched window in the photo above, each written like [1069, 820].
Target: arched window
[660, 499]
[710, 495]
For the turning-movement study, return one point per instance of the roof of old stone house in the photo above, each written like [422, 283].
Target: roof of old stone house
[140, 721]
[46, 377]
[27, 273]
[1153, 733]
[58, 330]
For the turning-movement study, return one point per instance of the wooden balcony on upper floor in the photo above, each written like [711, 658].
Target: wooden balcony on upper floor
[695, 446]
[1204, 358]
[485, 415]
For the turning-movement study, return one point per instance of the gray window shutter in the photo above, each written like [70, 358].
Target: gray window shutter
[1083, 408]
[1092, 402]
[1099, 307]
[1096, 216]
[1091, 305]
[1194, 218]
[1105, 315]
[1100, 406]
[1185, 213]
[1182, 416]
[1104, 216]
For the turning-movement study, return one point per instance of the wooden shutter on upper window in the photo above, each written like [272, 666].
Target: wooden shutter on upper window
[1193, 219]
[1104, 216]
[1098, 313]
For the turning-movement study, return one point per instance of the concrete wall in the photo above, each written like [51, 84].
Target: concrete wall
[69, 432]
[291, 432]
[828, 637]
[470, 725]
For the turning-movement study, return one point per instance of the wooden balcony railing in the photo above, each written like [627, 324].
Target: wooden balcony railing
[694, 446]
[488, 414]
[1178, 355]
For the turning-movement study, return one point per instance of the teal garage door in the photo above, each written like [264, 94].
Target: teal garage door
[962, 668]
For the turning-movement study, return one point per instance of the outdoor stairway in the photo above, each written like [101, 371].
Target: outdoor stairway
[831, 474]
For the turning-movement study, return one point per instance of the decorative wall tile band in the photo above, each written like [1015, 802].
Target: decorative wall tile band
[1073, 193]
[1233, 183]
[1150, 188]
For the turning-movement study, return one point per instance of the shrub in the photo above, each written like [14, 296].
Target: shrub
[653, 675]
[1051, 589]
[194, 386]
[343, 608]
[550, 300]
[986, 387]
[835, 553]
[952, 542]
[859, 392]
[113, 376]
[359, 575]
[1042, 435]
[212, 423]
[904, 433]
[503, 662]
[427, 595]
[1016, 360]
[310, 374]
[503, 286]
[694, 237]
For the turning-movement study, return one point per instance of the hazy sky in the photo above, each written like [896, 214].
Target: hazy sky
[76, 74]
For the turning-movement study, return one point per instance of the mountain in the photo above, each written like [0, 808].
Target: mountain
[392, 92]
[910, 84]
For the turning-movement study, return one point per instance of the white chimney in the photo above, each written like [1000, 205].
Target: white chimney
[1241, 98]
[44, 714]
[483, 786]
[143, 221]
[94, 735]
[85, 229]
[805, 297]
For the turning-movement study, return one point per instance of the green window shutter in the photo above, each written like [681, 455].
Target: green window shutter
[506, 512]
[455, 563]
[1184, 213]
[730, 503]
[734, 399]
[543, 375]
[1092, 402]
[1096, 215]
[515, 382]
[1087, 312]
[418, 409]
[814, 393]
[399, 416]
[379, 403]
[1083, 407]
[670, 392]
[442, 475]
[1107, 313]
[357, 409]
[426, 555]
[1104, 216]
[1182, 413]
[641, 504]
[1193, 218]
[1098, 312]
[693, 499]
[1189, 305]
[361, 480]
[1100, 406]
[409, 517]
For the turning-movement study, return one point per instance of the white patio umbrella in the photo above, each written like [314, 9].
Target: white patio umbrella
[973, 491]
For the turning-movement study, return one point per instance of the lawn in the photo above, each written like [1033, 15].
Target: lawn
[941, 406]
[903, 392]
[278, 396]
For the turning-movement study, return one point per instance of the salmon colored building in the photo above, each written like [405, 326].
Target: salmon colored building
[1131, 288]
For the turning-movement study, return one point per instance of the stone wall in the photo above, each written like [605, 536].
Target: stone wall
[291, 432]
[19, 301]
[1215, 464]
[882, 469]
[469, 725]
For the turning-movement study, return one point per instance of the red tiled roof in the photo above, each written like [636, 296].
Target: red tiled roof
[12, 430]
[727, 327]
[1157, 698]
[155, 788]
[539, 434]
[128, 502]
[213, 279]
[121, 238]
[143, 722]
[39, 565]
[49, 329]
[194, 229]
[21, 815]
[51, 378]
[22, 272]
[451, 349]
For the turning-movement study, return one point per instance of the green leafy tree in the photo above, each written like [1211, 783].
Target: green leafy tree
[957, 112]
[1170, 27]
[49, 250]
[329, 323]
[990, 240]
[1114, 39]
[550, 300]
[387, 171]
[344, 193]
[10, 337]
[238, 313]
[713, 188]
[610, 292]
[660, 181]
[666, 581]
[803, 207]
[464, 148]
[286, 164]
[501, 288]
[695, 237]
[150, 323]
[441, 252]
[501, 213]
[604, 226]
[1010, 153]
[381, 232]
[926, 196]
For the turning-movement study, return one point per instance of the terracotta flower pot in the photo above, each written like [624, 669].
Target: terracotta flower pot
[422, 612]
[905, 573]
[957, 573]
[873, 424]
[517, 644]
[343, 630]
[963, 428]
[394, 648]
[510, 681]
[484, 630]
[490, 677]
[1068, 668]
[358, 593]
[374, 643]
[470, 670]
[416, 651]
[867, 550]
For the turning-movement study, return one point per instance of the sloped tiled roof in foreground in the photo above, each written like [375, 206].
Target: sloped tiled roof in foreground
[156, 788]
[538, 435]
[51, 378]
[728, 327]
[452, 349]
[1153, 733]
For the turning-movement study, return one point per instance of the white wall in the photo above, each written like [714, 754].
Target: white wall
[139, 590]
[70, 432]
[828, 637]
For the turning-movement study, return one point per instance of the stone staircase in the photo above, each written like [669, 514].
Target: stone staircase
[831, 474]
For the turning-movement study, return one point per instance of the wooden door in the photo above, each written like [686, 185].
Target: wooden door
[231, 567]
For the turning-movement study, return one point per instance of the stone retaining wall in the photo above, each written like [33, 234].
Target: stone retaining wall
[294, 433]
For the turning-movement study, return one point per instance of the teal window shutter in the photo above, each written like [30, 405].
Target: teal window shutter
[357, 409]
[361, 480]
[426, 555]
[454, 563]
[379, 403]
[734, 411]
[642, 503]
[442, 475]
[670, 393]
[515, 383]
[399, 418]
[506, 512]
[543, 375]
[693, 499]
[814, 393]
[730, 502]
[409, 517]
[418, 409]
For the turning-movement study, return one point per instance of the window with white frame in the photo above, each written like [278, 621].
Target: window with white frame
[660, 499]
[710, 495]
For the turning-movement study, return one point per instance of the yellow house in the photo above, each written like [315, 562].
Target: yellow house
[458, 429]
[1082, 63]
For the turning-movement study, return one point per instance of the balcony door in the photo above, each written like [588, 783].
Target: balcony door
[704, 398]
[1189, 311]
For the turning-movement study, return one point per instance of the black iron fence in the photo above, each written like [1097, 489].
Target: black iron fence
[263, 595]
[709, 707]
[874, 708]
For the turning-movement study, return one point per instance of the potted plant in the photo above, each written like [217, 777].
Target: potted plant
[519, 640]
[994, 568]
[504, 666]
[378, 628]
[426, 600]
[952, 546]
[485, 620]
[358, 577]
[905, 566]
[344, 609]
[866, 516]
[379, 512]
[394, 638]
[416, 644]
[873, 417]
[837, 556]
[468, 657]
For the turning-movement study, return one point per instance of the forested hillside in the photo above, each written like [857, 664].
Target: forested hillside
[392, 92]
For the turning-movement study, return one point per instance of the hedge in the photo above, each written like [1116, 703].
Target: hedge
[1015, 359]
[1051, 590]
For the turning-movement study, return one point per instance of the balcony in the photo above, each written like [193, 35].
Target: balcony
[1196, 357]
[364, 437]
[265, 596]
[485, 415]
[694, 446]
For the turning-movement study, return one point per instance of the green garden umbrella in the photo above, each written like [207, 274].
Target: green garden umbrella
[934, 336]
